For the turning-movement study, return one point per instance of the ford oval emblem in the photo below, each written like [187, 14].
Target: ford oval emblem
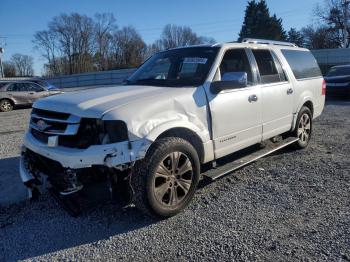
[41, 124]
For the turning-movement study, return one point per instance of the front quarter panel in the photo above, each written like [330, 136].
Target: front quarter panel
[150, 117]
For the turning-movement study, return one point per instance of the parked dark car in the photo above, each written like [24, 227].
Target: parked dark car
[338, 81]
[22, 93]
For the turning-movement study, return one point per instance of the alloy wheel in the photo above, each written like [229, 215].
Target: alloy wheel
[304, 128]
[173, 179]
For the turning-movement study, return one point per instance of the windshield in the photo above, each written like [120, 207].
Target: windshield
[178, 67]
[339, 71]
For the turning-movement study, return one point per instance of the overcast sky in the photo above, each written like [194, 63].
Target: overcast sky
[220, 19]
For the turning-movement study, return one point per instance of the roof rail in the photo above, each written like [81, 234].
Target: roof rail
[267, 42]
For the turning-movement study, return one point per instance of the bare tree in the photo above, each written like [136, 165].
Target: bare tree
[74, 34]
[130, 49]
[105, 27]
[335, 14]
[23, 64]
[75, 43]
[319, 38]
[9, 69]
[46, 42]
[175, 36]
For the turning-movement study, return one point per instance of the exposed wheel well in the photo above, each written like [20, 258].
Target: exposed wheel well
[8, 99]
[187, 135]
[310, 106]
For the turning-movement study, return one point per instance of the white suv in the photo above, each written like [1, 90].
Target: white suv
[182, 108]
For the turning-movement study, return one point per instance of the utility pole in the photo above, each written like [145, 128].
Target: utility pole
[1, 66]
[2, 50]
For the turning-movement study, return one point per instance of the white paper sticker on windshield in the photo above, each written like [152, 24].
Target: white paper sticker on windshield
[195, 60]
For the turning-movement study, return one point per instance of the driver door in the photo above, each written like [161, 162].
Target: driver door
[236, 113]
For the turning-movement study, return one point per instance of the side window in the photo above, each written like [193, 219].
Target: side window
[267, 67]
[302, 63]
[26, 87]
[236, 61]
[34, 87]
[17, 87]
[280, 70]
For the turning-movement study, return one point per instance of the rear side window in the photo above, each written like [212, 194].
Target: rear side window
[18, 87]
[302, 63]
[267, 67]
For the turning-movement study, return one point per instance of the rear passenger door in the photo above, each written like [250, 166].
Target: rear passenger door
[276, 93]
[19, 92]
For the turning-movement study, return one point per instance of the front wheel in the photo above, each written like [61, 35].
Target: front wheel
[303, 128]
[165, 181]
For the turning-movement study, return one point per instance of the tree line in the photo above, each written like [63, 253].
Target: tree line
[75, 43]
[331, 28]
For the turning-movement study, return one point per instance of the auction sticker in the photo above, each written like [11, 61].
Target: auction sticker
[195, 60]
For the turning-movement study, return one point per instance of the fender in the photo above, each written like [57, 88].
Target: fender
[13, 100]
[305, 99]
[158, 130]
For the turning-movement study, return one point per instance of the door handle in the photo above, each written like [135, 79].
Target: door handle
[289, 91]
[31, 93]
[252, 98]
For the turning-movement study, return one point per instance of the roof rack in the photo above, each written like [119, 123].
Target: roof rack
[267, 42]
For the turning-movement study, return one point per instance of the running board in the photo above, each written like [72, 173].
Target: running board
[228, 168]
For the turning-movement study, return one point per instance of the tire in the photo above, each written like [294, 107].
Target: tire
[163, 187]
[6, 105]
[303, 128]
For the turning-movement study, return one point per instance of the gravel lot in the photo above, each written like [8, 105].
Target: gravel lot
[287, 206]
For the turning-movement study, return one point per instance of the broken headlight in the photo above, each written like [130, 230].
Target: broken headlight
[96, 132]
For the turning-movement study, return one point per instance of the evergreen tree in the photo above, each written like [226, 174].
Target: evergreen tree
[259, 24]
[296, 37]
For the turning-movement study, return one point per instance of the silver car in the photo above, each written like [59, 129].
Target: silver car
[22, 93]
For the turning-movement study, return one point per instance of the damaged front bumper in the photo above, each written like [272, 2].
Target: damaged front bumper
[71, 159]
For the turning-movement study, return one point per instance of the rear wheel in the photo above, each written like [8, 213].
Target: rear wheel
[303, 128]
[165, 181]
[5, 105]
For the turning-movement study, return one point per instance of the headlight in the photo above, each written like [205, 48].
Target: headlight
[96, 132]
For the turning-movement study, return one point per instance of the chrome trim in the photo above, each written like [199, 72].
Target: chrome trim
[72, 119]
[71, 129]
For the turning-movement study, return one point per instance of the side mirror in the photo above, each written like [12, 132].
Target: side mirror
[230, 80]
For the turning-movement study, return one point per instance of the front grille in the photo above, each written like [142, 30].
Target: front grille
[50, 114]
[42, 137]
[54, 123]
[73, 131]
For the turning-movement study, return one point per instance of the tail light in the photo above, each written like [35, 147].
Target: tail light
[324, 87]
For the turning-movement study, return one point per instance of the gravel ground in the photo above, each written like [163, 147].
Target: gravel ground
[293, 205]
[12, 127]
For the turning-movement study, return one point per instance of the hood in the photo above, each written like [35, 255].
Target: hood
[337, 79]
[94, 103]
